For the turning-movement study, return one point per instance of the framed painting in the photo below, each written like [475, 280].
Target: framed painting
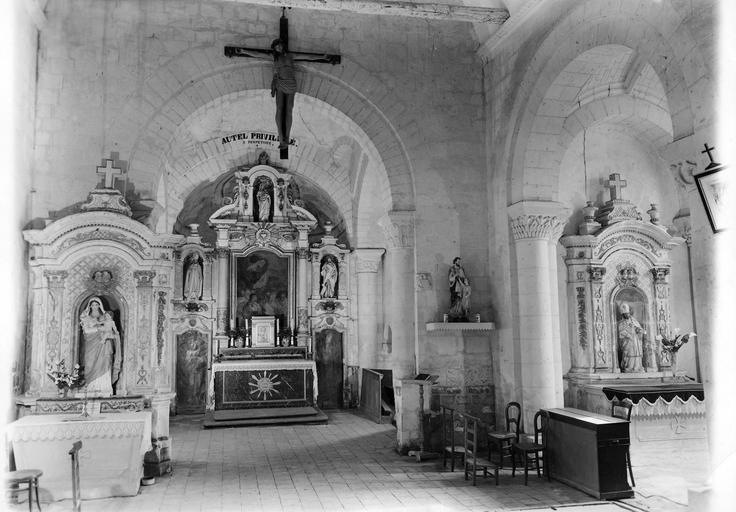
[262, 285]
[263, 331]
[712, 188]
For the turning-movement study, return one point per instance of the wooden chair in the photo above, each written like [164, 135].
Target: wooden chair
[451, 446]
[622, 409]
[473, 462]
[74, 452]
[502, 440]
[29, 477]
[533, 451]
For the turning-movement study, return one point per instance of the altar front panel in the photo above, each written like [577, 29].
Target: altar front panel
[110, 462]
[265, 383]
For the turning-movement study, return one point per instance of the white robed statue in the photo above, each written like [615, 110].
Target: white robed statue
[329, 279]
[101, 348]
[193, 280]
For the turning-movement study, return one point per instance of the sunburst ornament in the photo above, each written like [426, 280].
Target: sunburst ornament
[264, 385]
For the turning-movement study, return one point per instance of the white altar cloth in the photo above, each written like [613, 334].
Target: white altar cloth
[110, 462]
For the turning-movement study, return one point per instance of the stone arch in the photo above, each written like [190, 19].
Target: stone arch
[640, 117]
[668, 52]
[171, 94]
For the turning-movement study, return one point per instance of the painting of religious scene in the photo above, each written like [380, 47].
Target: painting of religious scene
[262, 286]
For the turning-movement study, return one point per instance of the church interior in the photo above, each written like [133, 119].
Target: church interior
[234, 214]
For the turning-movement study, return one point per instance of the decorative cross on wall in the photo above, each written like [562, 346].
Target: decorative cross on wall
[109, 172]
[615, 183]
[708, 150]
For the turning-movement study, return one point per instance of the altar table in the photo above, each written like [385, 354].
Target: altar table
[110, 462]
[260, 383]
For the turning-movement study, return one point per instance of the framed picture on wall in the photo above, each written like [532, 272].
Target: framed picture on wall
[712, 188]
[262, 285]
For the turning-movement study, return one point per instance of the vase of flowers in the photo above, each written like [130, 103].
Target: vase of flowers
[671, 344]
[63, 379]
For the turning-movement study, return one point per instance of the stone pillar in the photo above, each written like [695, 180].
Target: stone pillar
[368, 261]
[302, 293]
[398, 227]
[535, 226]
[223, 275]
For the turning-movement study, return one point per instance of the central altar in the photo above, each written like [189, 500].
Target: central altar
[257, 383]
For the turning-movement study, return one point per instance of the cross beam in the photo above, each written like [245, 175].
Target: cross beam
[430, 11]
[109, 172]
[615, 183]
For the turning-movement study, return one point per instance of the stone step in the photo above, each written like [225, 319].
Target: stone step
[265, 416]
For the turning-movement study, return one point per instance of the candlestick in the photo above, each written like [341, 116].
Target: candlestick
[278, 341]
[232, 324]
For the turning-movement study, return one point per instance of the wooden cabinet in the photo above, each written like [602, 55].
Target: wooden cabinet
[588, 452]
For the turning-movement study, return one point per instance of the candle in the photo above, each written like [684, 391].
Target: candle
[277, 333]
[246, 324]
[232, 324]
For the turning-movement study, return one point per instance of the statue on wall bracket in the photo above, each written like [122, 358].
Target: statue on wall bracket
[459, 292]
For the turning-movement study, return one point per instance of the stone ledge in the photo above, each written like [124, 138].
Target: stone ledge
[460, 326]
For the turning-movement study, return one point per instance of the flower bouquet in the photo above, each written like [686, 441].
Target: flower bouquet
[63, 379]
[671, 343]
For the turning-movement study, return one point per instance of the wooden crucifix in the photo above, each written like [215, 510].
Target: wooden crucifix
[283, 84]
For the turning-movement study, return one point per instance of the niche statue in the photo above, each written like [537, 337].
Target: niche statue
[630, 341]
[193, 280]
[101, 348]
[329, 274]
[459, 292]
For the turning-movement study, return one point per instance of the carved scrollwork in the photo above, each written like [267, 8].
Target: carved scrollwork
[627, 275]
[144, 277]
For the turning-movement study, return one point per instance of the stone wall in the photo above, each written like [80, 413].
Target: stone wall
[536, 128]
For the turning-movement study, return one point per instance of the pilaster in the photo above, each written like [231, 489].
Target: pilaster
[368, 261]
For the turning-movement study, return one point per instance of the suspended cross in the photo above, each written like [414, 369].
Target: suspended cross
[615, 183]
[283, 85]
[109, 172]
[708, 150]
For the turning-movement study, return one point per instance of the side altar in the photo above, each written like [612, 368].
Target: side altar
[100, 286]
[620, 313]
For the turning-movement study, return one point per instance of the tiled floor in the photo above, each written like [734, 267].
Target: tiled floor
[350, 464]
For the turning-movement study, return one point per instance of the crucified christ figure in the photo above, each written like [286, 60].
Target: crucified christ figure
[283, 84]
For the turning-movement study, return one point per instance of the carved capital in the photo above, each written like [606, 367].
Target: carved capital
[222, 253]
[302, 253]
[368, 260]
[596, 273]
[540, 220]
[398, 228]
[660, 274]
[55, 278]
[144, 277]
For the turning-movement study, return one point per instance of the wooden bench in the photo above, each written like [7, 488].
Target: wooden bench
[473, 431]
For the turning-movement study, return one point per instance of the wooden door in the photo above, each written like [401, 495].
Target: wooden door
[191, 372]
[328, 359]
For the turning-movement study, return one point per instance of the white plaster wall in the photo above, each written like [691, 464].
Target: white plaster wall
[21, 38]
[609, 150]
[107, 67]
